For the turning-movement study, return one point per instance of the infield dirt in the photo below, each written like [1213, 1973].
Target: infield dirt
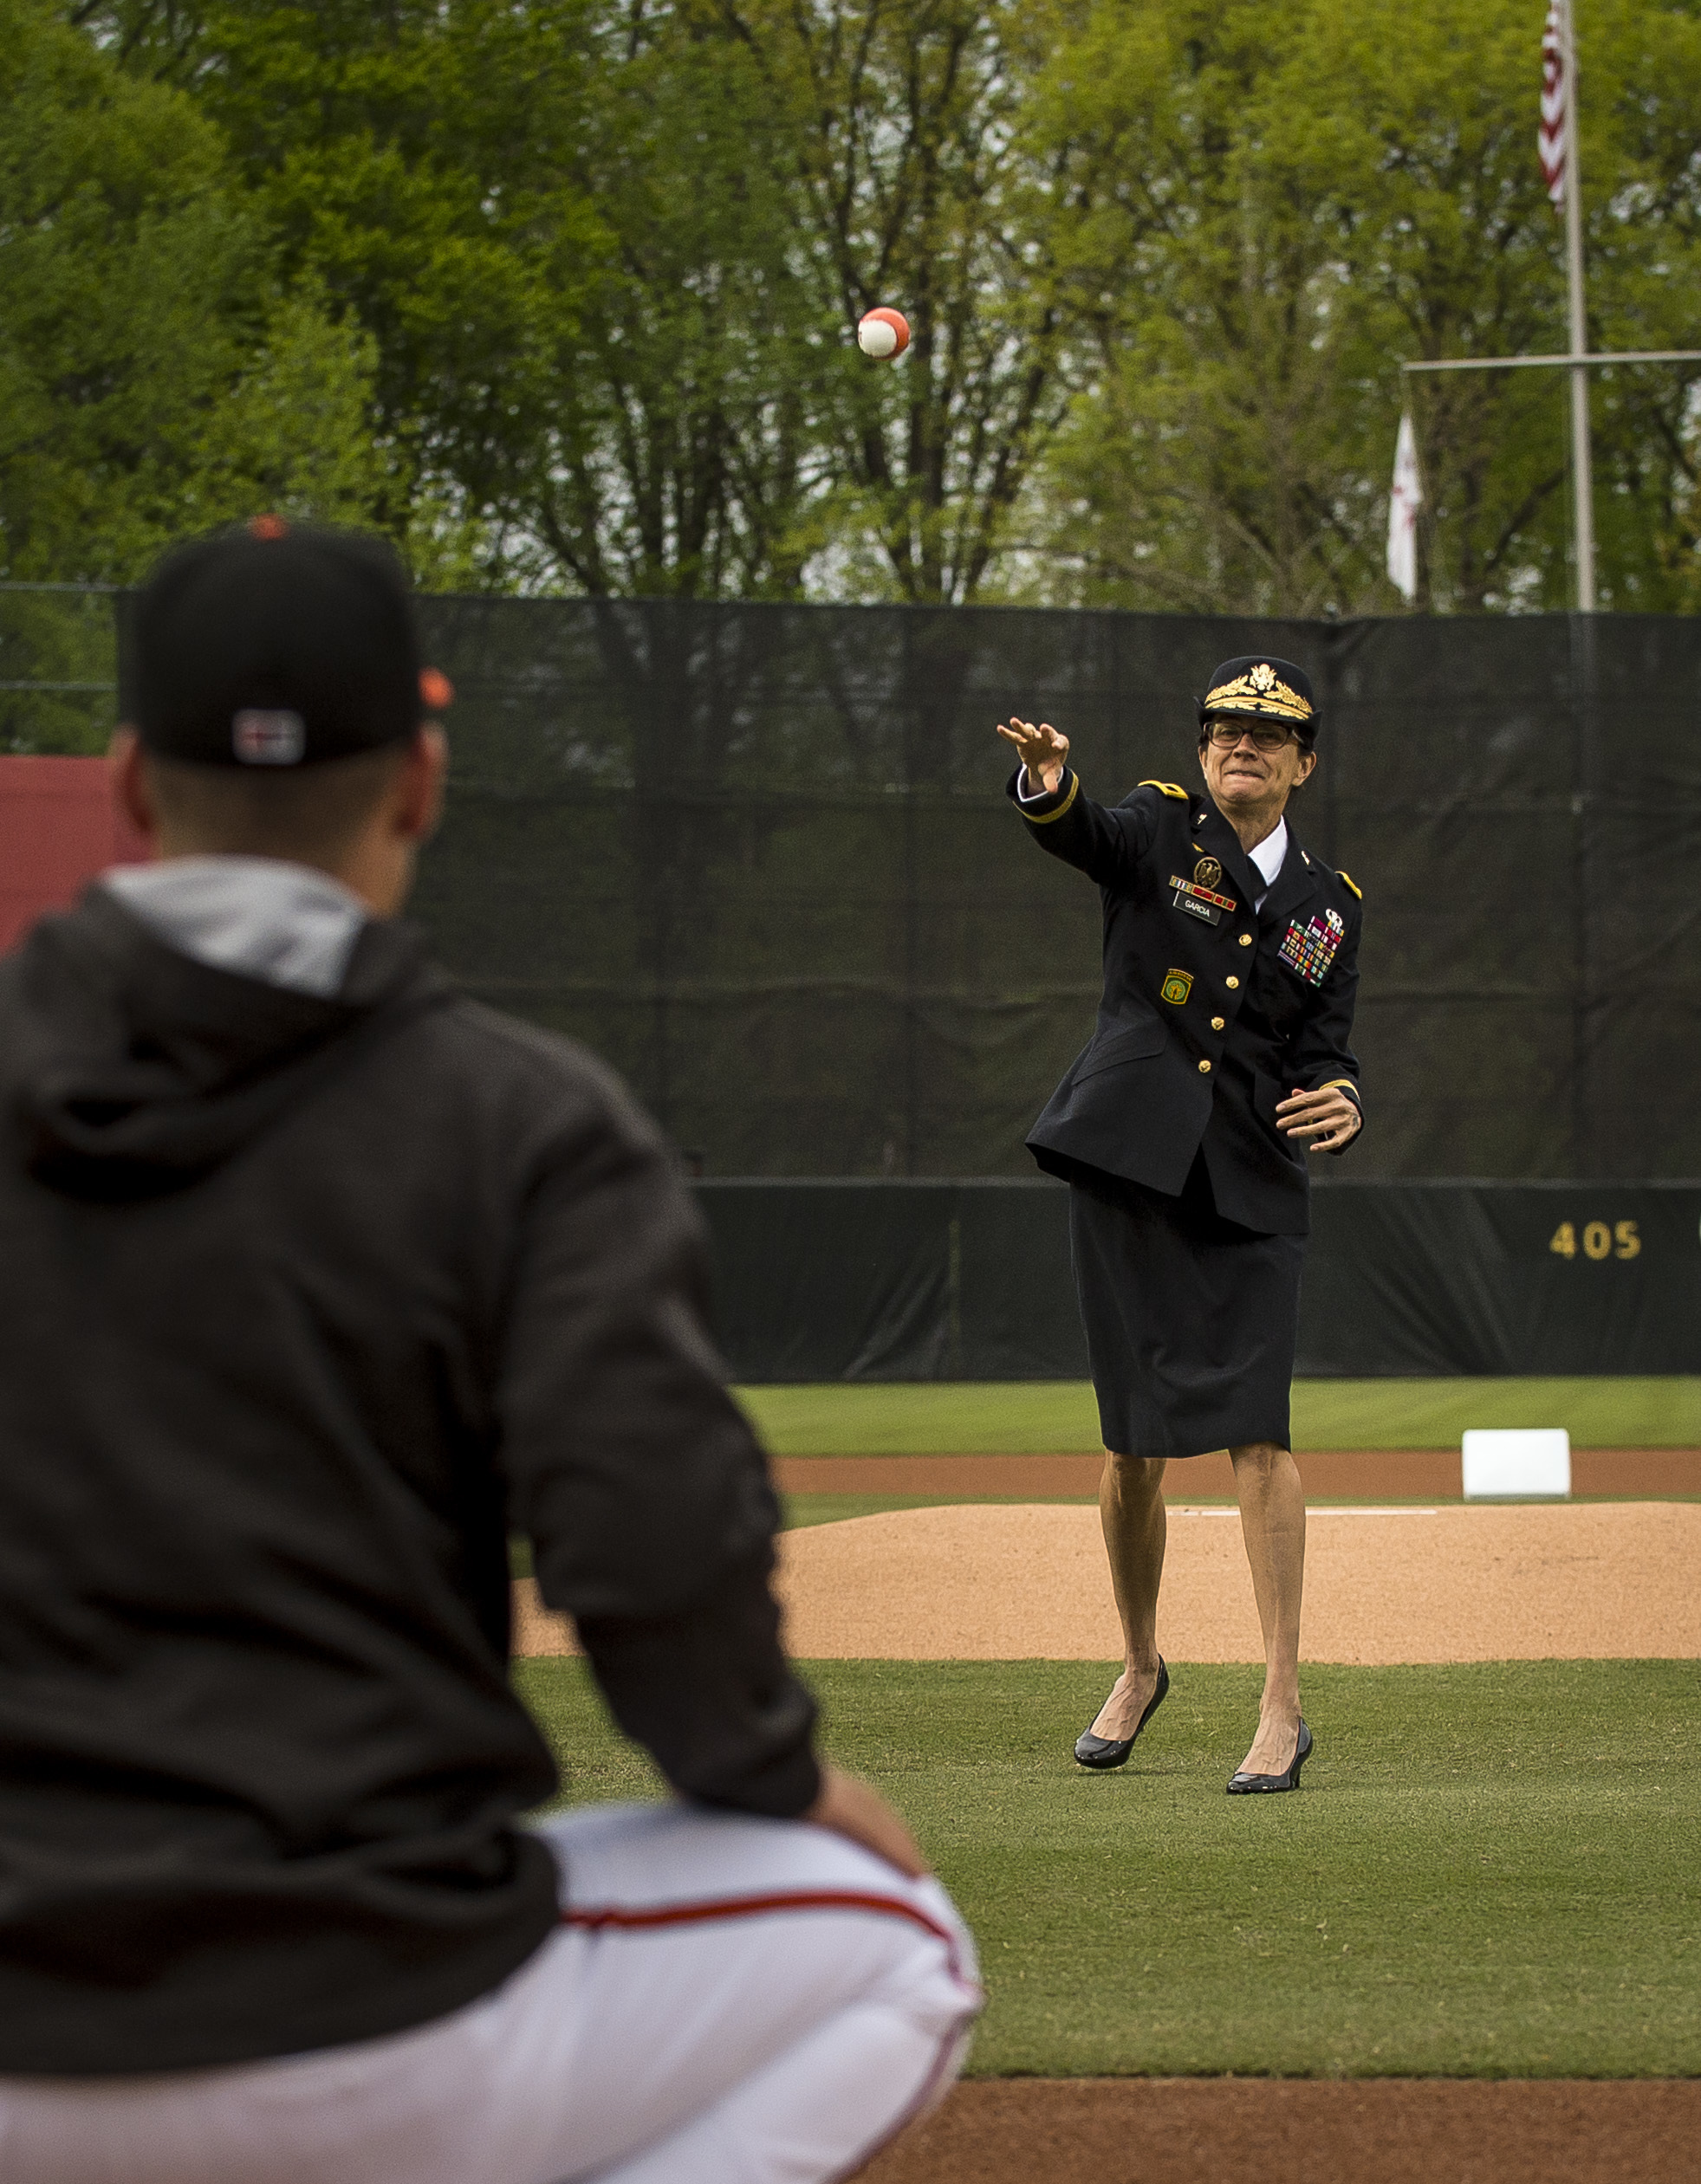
[1302, 2131]
[1600, 1581]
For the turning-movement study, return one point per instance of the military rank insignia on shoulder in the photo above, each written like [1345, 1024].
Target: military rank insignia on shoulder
[1166, 789]
[1310, 949]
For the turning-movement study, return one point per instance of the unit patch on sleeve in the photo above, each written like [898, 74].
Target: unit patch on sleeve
[1310, 949]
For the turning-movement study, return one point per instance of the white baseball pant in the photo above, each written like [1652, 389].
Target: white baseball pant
[728, 2000]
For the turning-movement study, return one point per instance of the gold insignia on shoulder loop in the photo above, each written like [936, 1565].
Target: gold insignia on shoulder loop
[1178, 984]
[1166, 789]
[1348, 880]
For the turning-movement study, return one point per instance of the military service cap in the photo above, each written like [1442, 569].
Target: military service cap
[1257, 687]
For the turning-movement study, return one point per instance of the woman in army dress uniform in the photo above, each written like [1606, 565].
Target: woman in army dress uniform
[1220, 1055]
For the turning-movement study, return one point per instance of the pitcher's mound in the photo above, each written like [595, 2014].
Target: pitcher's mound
[1598, 1582]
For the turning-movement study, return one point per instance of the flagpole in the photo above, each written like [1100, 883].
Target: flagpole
[1582, 470]
[1562, 170]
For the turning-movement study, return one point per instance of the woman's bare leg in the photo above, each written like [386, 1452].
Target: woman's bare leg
[1272, 1523]
[1131, 1508]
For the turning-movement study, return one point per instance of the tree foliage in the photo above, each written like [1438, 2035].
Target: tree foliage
[684, 450]
[909, 161]
[155, 373]
[1358, 190]
[562, 291]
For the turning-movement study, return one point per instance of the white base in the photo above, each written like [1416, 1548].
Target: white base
[1525, 1463]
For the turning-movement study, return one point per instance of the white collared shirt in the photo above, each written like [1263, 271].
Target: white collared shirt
[1269, 857]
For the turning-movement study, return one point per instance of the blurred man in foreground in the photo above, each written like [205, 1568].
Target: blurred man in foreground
[319, 1279]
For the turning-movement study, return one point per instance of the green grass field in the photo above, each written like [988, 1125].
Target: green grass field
[1489, 1870]
[1057, 1417]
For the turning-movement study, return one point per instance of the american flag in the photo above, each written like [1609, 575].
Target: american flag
[1555, 100]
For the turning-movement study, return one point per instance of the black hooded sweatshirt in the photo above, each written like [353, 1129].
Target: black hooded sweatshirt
[305, 1304]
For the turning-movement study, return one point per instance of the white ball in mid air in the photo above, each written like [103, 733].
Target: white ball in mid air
[882, 334]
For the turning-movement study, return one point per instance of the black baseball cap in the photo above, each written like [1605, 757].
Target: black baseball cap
[1258, 686]
[276, 645]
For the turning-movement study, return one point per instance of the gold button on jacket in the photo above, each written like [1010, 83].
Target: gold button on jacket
[1216, 1023]
[1246, 940]
[1204, 1069]
[1233, 984]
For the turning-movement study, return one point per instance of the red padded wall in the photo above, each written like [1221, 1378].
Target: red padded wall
[58, 828]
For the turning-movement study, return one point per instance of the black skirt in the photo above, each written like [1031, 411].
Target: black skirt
[1191, 1320]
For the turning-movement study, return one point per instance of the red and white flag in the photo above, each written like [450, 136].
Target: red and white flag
[1404, 502]
[1555, 104]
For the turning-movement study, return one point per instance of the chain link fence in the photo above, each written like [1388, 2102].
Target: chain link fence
[58, 669]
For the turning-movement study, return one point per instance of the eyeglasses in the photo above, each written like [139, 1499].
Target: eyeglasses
[1266, 735]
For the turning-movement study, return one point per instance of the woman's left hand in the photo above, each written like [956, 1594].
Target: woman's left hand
[1328, 1119]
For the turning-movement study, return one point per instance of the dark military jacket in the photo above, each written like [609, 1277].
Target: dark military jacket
[1212, 1012]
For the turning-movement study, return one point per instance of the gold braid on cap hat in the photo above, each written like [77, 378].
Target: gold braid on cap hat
[1261, 689]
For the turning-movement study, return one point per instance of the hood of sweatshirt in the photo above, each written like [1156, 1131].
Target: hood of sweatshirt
[128, 1068]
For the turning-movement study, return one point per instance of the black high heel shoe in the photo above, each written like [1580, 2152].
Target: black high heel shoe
[1256, 1785]
[1112, 1751]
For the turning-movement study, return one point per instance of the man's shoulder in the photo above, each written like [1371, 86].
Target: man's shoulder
[527, 1048]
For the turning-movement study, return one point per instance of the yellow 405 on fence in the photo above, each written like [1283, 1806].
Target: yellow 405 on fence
[1599, 1241]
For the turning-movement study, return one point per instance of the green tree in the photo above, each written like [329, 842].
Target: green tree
[770, 173]
[417, 167]
[600, 265]
[1358, 190]
[613, 257]
[579, 280]
[1641, 102]
[686, 448]
[152, 376]
[906, 155]
[1338, 195]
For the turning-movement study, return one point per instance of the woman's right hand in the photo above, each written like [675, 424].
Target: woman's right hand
[1041, 750]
